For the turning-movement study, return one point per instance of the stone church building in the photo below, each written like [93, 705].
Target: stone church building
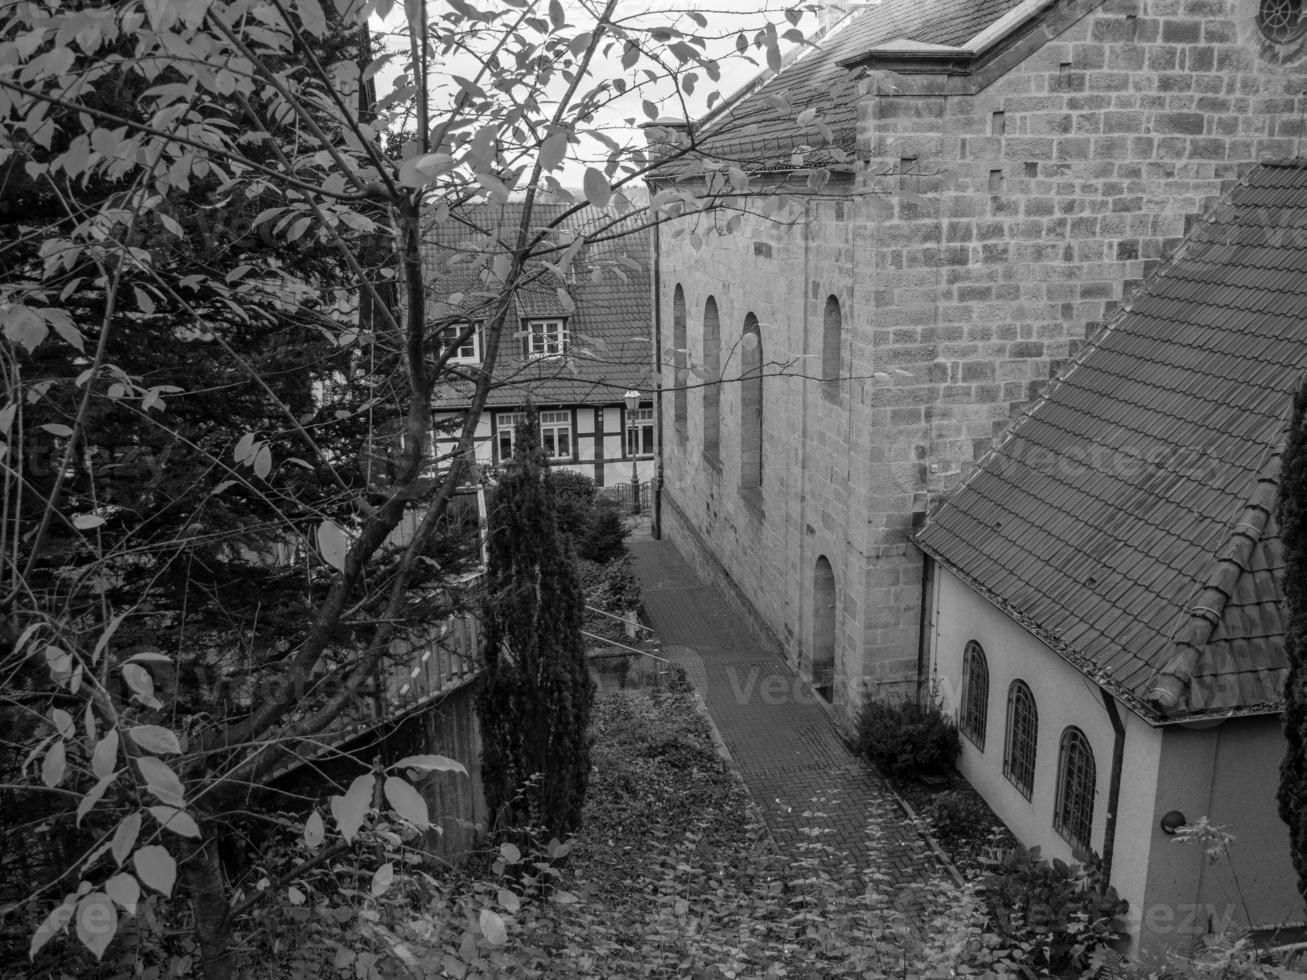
[946, 198]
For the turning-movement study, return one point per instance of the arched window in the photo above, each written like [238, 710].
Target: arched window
[679, 363]
[1073, 817]
[832, 328]
[712, 393]
[751, 405]
[974, 713]
[1022, 738]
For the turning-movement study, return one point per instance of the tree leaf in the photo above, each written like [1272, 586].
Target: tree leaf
[139, 680]
[296, 896]
[94, 795]
[55, 923]
[382, 878]
[85, 522]
[407, 801]
[492, 927]
[509, 900]
[314, 831]
[263, 462]
[162, 781]
[124, 838]
[155, 738]
[63, 722]
[333, 544]
[124, 889]
[178, 821]
[596, 188]
[97, 922]
[429, 763]
[105, 755]
[350, 810]
[552, 151]
[156, 868]
[54, 764]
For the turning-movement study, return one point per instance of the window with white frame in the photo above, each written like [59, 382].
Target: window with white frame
[1022, 738]
[556, 434]
[640, 432]
[467, 352]
[506, 424]
[1077, 776]
[973, 717]
[546, 338]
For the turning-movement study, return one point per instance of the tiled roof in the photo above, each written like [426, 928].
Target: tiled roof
[758, 129]
[1128, 518]
[606, 297]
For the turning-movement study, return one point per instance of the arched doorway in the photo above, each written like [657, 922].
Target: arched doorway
[823, 629]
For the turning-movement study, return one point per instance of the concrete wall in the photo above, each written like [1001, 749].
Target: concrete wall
[1063, 697]
[1254, 884]
[971, 255]
[1227, 772]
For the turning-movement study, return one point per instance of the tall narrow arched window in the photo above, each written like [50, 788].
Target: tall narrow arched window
[1022, 738]
[1077, 776]
[712, 392]
[974, 711]
[679, 363]
[751, 405]
[832, 330]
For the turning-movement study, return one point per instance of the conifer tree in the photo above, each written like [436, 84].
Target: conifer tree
[1292, 516]
[535, 701]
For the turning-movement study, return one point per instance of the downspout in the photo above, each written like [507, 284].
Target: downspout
[923, 627]
[1114, 785]
[656, 524]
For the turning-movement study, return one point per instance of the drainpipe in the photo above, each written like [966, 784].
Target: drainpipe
[923, 627]
[656, 521]
[1114, 786]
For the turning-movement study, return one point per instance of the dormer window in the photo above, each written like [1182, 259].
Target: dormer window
[467, 352]
[546, 338]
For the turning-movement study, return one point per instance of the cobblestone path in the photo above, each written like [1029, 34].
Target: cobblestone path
[783, 743]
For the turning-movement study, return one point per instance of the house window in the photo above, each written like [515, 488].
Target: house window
[680, 361]
[712, 403]
[556, 434]
[506, 424]
[1073, 817]
[751, 405]
[975, 694]
[1022, 737]
[831, 345]
[546, 338]
[469, 351]
[640, 432]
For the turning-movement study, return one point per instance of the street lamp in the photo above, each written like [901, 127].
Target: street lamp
[632, 398]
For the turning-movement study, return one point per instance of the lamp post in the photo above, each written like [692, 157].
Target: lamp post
[632, 398]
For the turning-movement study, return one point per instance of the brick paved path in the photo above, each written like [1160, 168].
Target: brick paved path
[784, 745]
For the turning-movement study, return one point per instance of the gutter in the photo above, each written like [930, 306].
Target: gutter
[1114, 783]
[927, 605]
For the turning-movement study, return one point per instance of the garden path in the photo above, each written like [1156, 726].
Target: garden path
[783, 743]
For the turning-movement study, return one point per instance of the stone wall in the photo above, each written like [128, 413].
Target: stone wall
[994, 222]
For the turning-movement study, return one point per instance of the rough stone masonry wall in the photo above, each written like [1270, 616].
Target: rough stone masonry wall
[972, 259]
[1004, 227]
[814, 480]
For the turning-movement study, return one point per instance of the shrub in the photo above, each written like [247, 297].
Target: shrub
[1060, 915]
[603, 538]
[614, 588]
[905, 739]
[574, 497]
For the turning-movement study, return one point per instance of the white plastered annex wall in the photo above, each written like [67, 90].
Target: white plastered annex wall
[1063, 697]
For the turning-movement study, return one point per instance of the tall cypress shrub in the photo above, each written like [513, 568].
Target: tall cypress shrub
[535, 700]
[1291, 511]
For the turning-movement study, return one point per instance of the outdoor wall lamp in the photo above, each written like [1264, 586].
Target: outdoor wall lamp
[1172, 821]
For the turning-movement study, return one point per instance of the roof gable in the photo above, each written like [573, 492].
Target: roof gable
[605, 296]
[1126, 518]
